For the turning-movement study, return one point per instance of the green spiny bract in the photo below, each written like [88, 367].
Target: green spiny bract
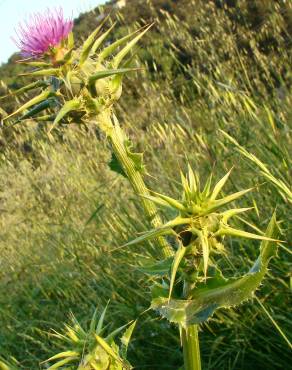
[193, 285]
[79, 84]
[92, 349]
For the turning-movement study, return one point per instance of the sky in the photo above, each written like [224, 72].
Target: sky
[14, 11]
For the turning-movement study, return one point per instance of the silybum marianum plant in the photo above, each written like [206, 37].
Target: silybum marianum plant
[81, 85]
[92, 349]
[193, 285]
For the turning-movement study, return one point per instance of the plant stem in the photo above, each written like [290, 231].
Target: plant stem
[191, 348]
[117, 141]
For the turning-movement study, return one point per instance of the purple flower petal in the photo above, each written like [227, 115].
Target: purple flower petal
[41, 32]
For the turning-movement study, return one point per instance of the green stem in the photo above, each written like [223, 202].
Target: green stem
[117, 140]
[191, 348]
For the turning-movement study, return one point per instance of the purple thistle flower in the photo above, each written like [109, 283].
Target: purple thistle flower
[42, 32]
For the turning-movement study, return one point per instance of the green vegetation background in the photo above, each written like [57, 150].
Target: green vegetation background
[208, 65]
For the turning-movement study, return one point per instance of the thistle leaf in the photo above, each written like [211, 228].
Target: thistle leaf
[171, 202]
[100, 40]
[207, 187]
[3, 366]
[111, 48]
[109, 72]
[219, 186]
[33, 85]
[242, 234]
[99, 326]
[121, 55]
[108, 349]
[192, 180]
[233, 212]
[71, 40]
[36, 109]
[205, 249]
[219, 292]
[34, 63]
[215, 204]
[126, 339]
[37, 99]
[166, 229]
[43, 72]
[64, 354]
[61, 363]
[157, 200]
[68, 107]
[175, 265]
[88, 44]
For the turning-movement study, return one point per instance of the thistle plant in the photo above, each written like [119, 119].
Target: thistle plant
[193, 285]
[81, 85]
[92, 349]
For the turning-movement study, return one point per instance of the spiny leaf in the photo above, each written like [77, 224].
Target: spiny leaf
[101, 38]
[88, 44]
[70, 40]
[62, 355]
[126, 339]
[233, 212]
[37, 99]
[121, 55]
[36, 109]
[192, 180]
[111, 48]
[108, 348]
[61, 363]
[166, 229]
[171, 202]
[43, 72]
[215, 204]
[99, 326]
[3, 366]
[186, 186]
[175, 265]
[67, 56]
[34, 63]
[156, 200]
[218, 187]
[31, 86]
[109, 72]
[242, 234]
[68, 107]
[219, 292]
[114, 333]
[205, 249]
[206, 190]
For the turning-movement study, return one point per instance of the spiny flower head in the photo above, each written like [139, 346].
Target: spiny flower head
[91, 349]
[43, 32]
[84, 81]
[199, 225]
